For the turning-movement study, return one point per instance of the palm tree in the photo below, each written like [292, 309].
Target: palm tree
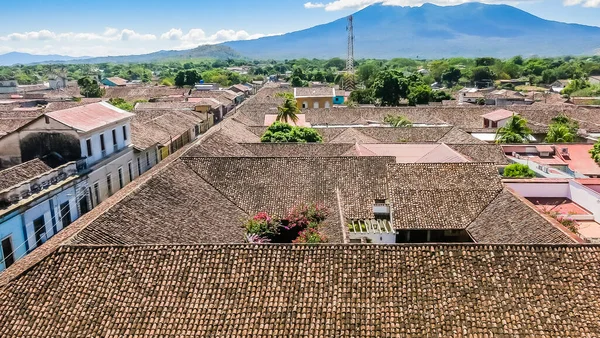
[514, 131]
[397, 121]
[288, 111]
[559, 133]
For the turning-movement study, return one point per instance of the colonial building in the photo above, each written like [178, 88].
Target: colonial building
[314, 97]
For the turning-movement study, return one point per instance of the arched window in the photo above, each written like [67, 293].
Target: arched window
[305, 104]
[327, 104]
[316, 104]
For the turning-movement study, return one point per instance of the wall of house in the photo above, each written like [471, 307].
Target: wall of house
[10, 151]
[338, 100]
[152, 155]
[12, 225]
[310, 101]
[585, 197]
[94, 136]
[541, 189]
[374, 238]
[110, 166]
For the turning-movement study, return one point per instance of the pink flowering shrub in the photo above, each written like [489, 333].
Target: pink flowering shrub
[310, 235]
[301, 225]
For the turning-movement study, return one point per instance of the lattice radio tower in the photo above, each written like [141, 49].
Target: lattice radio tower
[349, 83]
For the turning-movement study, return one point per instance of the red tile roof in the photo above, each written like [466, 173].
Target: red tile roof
[90, 117]
[498, 115]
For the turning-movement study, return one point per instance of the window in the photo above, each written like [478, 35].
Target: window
[155, 156]
[125, 133]
[7, 252]
[139, 166]
[97, 192]
[102, 145]
[327, 104]
[305, 104]
[114, 136]
[39, 230]
[88, 143]
[109, 184]
[121, 182]
[65, 214]
[147, 159]
[316, 104]
[130, 169]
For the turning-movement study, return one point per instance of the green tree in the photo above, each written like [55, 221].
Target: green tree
[180, 79]
[575, 85]
[288, 110]
[121, 103]
[514, 131]
[362, 96]
[451, 76]
[439, 96]
[367, 72]
[397, 121]
[279, 132]
[595, 152]
[295, 81]
[482, 73]
[390, 86]
[559, 133]
[90, 88]
[518, 170]
[419, 94]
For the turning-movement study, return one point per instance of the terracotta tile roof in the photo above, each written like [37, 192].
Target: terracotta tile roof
[175, 206]
[297, 149]
[282, 183]
[133, 93]
[89, 117]
[61, 105]
[482, 152]
[507, 219]
[314, 92]
[22, 172]
[205, 101]
[301, 291]
[8, 125]
[497, 115]
[456, 135]
[165, 105]
[150, 127]
[218, 144]
[442, 195]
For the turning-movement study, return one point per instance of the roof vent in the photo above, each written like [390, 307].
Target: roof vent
[564, 152]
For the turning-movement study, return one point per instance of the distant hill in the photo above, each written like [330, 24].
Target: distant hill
[430, 31]
[207, 51]
[200, 52]
[14, 58]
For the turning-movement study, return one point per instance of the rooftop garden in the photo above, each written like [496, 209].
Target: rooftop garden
[302, 224]
[518, 170]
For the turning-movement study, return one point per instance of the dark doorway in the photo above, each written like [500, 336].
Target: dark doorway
[7, 252]
[40, 231]
[65, 214]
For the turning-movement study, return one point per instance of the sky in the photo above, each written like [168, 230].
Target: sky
[121, 27]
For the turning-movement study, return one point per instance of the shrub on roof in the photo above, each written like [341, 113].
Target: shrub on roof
[397, 121]
[595, 152]
[311, 236]
[279, 132]
[518, 170]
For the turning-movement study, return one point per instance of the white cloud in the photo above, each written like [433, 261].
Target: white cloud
[359, 4]
[311, 5]
[114, 41]
[584, 3]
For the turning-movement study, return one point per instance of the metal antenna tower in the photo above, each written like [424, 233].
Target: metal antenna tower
[349, 83]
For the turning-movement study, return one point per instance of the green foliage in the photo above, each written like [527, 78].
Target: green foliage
[280, 132]
[90, 88]
[518, 170]
[562, 129]
[397, 121]
[575, 85]
[121, 103]
[390, 86]
[187, 78]
[595, 152]
[451, 76]
[362, 96]
[439, 96]
[310, 236]
[515, 131]
[418, 94]
[482, 73]
[167, 82]
[288, 110]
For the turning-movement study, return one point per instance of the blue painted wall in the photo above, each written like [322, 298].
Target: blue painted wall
[12, 225]
[107, 82]
[338, 100]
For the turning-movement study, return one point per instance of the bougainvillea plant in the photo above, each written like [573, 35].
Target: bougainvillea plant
[263, 225]
[310, 235]
[303, 214]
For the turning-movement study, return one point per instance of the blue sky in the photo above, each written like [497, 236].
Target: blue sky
[115, 27]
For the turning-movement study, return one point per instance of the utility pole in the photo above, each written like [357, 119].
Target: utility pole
[350, 83]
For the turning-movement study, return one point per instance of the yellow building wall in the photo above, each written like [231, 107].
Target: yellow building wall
[164, 152]
[202, 108]
[311, 102]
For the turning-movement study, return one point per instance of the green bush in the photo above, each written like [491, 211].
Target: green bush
[518, 170]
[280, 132]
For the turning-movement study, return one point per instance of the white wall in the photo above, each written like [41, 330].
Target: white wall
[585, 197]
[375, 238]
[99, 175]
[153, 155]
[108, 142]
[541, 189]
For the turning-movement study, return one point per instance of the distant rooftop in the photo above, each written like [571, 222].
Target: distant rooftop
[89, 117]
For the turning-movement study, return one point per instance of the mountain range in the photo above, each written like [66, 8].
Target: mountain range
[428, 31]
